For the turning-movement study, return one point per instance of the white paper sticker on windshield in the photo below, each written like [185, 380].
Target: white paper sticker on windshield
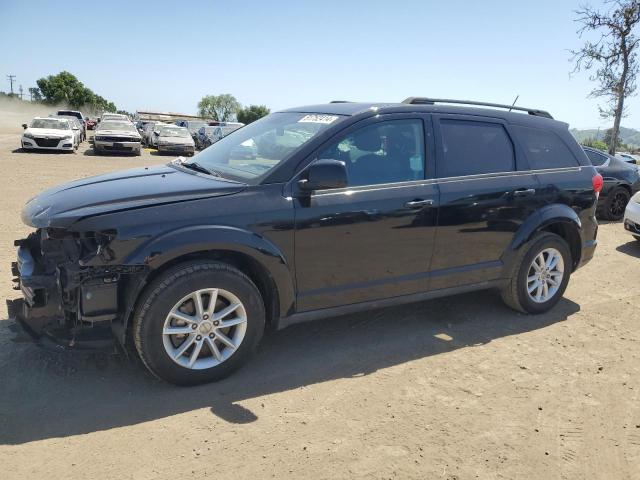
[318, 119]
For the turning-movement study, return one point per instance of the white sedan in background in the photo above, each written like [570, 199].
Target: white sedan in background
[48, 133]
[632, 216]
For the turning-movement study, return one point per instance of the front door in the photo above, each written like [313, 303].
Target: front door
[373, 239]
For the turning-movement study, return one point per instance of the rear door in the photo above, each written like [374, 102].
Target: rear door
[486, 192]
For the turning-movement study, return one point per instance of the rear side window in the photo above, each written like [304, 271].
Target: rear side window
[472, 148]
[544, 149]
[597, 159]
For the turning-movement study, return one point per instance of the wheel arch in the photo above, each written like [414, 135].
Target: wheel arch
[253, 254]
[558, 219]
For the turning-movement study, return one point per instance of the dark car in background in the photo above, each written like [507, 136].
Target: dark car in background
[344, 207]
[621, 182]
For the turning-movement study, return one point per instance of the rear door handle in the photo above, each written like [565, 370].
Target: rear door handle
[525, 192]
[418, 203]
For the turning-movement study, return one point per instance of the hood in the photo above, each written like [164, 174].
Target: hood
[176, 140]
[47, 132]
[124, 190]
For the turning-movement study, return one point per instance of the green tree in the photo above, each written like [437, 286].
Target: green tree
[221, 108]
[35, 94]
[252, 113]
[613, 56]
[66, 88]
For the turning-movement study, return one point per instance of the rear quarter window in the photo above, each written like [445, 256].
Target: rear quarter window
[544, 149]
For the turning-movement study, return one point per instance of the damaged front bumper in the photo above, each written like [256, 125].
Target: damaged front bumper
[67, 304]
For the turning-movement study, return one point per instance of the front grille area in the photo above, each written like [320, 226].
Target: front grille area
[101, 138]
[47, 142]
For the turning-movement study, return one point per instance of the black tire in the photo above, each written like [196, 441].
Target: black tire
[616, 203]
[515, 294]
[165, 291]
[97, 151]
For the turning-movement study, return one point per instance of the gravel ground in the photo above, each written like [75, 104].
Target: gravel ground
[454, 388]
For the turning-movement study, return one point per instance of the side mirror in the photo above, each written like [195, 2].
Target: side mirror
[24, 125]
[324, 174]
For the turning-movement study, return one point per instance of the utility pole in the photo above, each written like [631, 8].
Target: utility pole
[21, 91]
[11, 78]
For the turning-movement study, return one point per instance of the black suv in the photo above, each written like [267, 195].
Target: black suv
[307, 213]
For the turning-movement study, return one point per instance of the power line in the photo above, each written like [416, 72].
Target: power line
[11, 78]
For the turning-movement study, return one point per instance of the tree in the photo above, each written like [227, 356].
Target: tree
[613, 55]
[218, 107]
[35, 94]
[66, 88]
[252, 113]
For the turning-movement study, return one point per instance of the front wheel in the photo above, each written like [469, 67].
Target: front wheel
[541, 275]
[198, 322]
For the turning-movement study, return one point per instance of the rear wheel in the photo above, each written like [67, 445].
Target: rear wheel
[541, 275]
[616, 204]
[198, 322]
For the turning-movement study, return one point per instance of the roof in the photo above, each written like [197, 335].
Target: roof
[356, 108]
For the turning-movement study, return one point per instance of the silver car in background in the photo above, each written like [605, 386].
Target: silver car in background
[174, 139]
[117, 136]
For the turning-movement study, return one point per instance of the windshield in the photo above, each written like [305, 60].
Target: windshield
[252, 151]
[124, 126]
[50, 123]
[173, 132]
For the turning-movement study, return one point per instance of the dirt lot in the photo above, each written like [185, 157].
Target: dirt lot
[454, 388]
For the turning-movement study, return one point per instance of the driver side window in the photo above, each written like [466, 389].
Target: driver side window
[384, 152]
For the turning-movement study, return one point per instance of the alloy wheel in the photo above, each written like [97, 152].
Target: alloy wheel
[545, 275]
[204, 328]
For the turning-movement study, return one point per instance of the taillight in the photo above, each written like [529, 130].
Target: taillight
[597, 182]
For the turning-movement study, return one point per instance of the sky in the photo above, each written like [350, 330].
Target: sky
[165, 55]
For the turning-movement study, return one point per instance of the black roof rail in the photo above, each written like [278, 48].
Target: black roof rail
[433, 101]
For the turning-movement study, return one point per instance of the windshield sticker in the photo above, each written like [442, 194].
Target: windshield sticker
[326, 119]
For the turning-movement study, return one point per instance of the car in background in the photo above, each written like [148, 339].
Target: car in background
[79, 115]
[174, 139]
[632, 217]
[627, 157]
[204, 137]
[192, 125]
[77, 126]
[621, 182]
[150, 131]
[49, 133]
[117, 136]
[114, 116]
[91, 123]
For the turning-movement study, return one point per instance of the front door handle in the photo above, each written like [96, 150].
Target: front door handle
[525, 192]
[418, 203]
